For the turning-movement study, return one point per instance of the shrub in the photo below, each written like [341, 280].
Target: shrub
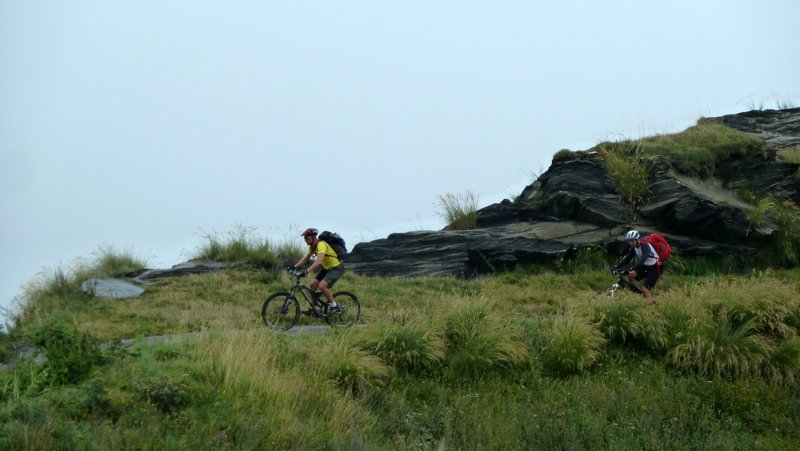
[563, 154]
[459, 211]
[25, 379]
[571, 345]
[166, 394]
[71, 355]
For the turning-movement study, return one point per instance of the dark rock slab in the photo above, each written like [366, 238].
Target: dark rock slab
[182, 269]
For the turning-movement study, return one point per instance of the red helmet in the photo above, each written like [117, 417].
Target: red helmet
[310, 231]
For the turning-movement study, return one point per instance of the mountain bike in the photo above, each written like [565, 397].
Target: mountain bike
[622, 282]
[281, 310]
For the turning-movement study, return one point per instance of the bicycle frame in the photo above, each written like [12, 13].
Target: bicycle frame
[622, 282]
[314, 303]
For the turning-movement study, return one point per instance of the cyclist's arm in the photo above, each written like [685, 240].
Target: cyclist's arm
[625, 260]
[303, 260]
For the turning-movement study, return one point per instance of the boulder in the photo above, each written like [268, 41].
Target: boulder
[111, 288]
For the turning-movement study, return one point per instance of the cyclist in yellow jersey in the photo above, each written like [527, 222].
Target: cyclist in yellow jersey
[327, 262]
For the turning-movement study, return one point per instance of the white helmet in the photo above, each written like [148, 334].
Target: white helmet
[632, 235]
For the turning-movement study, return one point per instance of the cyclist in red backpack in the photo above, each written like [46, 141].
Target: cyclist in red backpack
[648, 268]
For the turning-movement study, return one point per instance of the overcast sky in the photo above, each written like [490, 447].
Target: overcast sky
[145, 124]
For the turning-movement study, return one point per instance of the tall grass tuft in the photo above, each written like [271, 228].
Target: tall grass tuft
[627, 170]
[783, 364]
[411, 346]
[628, 321]
[571, 345]
[459, 211]
[350, 368]
[239, 246]
[790, 154]
[481, 339]
[723, 349]
[111, 262]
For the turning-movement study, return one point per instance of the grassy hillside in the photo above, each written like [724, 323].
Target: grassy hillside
[537, 358]
[534, 359]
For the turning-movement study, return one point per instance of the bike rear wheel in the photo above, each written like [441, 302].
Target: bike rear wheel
[280, 311]
[347, 312]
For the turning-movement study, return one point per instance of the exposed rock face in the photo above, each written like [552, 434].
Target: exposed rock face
[574, 206]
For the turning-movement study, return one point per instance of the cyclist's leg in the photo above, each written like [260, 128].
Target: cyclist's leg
[328, 279]
[313, 285]
[635, 275]
[650, 278]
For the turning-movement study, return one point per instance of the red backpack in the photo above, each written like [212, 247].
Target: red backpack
[660, 244]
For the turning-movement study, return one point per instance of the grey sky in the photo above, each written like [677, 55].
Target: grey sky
[143, 124]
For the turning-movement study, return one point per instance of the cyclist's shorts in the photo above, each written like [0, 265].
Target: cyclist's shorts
[650, 274]
[330, 275]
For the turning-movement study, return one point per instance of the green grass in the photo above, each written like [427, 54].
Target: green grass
[695, 151]
[524, 360]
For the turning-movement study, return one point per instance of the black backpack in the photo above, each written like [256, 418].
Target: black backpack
[335, 241]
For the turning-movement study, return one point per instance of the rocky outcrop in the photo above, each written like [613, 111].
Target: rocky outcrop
[573, 206]
[778, 128]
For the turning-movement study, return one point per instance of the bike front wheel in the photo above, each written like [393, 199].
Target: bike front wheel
[347, 311]
[280, 311]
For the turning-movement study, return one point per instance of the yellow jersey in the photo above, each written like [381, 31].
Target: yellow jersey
[330, 260]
